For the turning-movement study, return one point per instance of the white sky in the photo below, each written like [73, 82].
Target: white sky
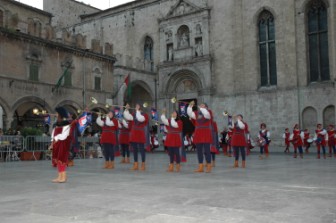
[100, 4]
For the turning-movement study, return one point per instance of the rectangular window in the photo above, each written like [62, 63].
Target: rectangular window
[97, 83]
[263, 64]
[33, 72]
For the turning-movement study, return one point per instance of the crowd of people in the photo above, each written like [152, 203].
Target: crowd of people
[132, 135]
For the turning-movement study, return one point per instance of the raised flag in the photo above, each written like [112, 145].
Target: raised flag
[154, 114]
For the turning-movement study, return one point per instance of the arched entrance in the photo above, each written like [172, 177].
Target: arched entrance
[138, 92]
[184, 85]
[30, 112]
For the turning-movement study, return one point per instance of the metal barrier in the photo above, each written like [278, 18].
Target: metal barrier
[38, 146]
[90, 147]
[10, 146]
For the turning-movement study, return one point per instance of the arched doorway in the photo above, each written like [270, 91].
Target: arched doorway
[184, 85]
[329, 116]
[139, 93]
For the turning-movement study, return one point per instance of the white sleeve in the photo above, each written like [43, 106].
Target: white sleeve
[100, 122]
[52, 135]
[127, 115]
[241, 125]
[323, 132]
[284, 135]
[190, 113]
[326, 137]
[268, 135]
[164, 119]
[140, 117]
[291, 136]
[302, 135]
[65, 133]
[206, 113]
[109, 122]
[125, 124]
[119, 124]
[173, 123]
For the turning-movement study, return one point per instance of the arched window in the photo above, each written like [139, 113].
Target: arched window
[318, 41]
[268, 69]
[1, 18]
[148, 54]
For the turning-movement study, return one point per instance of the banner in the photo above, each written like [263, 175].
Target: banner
[83, 121]
[47, 120]
[154, 114]
[183, 108]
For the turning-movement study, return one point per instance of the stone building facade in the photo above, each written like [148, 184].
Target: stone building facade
[265, 59]
[33, 60]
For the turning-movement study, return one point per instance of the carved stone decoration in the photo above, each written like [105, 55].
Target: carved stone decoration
[182, 8]
[198, 29]
[170, 52]
[186, 86]
[199, 47]
[183, 36]
[169, 36]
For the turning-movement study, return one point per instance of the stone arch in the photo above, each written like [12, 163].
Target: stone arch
[140, 93]
[306, 3]
[309, 118]
[260, 11]
[23, 115]
[329, 115]
[185, 83]
[71, 106]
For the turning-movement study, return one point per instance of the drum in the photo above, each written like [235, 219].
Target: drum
[310, 140]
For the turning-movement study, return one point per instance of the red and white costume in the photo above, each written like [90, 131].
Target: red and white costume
[109, 130]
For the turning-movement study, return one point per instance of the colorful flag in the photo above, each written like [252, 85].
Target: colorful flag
[47, 120]
[83, 121]
[128, 86]
[182, 108]
[117, 113]
[59, 82]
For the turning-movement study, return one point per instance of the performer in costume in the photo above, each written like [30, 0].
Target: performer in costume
[202, 135]
[229, 139]
[108, 138]
[305, 140]
[215, 143]
[224, 144]
[286, 136]
[264, 140]
[239, 140]
[173, 139]
[60, 142]
[331, 140]
[124, 133]
[321, 138]
[139, 135]
[297, 139]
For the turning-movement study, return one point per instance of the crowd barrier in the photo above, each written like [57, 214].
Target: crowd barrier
[10, 147]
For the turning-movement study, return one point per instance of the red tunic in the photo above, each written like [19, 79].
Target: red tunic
[109, 133]
[287, 134]
[297, 140]
[229, 137]
[124, 134]
[320, 138]
[202, 129]
[331, 137]
[173, 138]
[239, 136]
[305, 138]
[138, 134]
[61, 147]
